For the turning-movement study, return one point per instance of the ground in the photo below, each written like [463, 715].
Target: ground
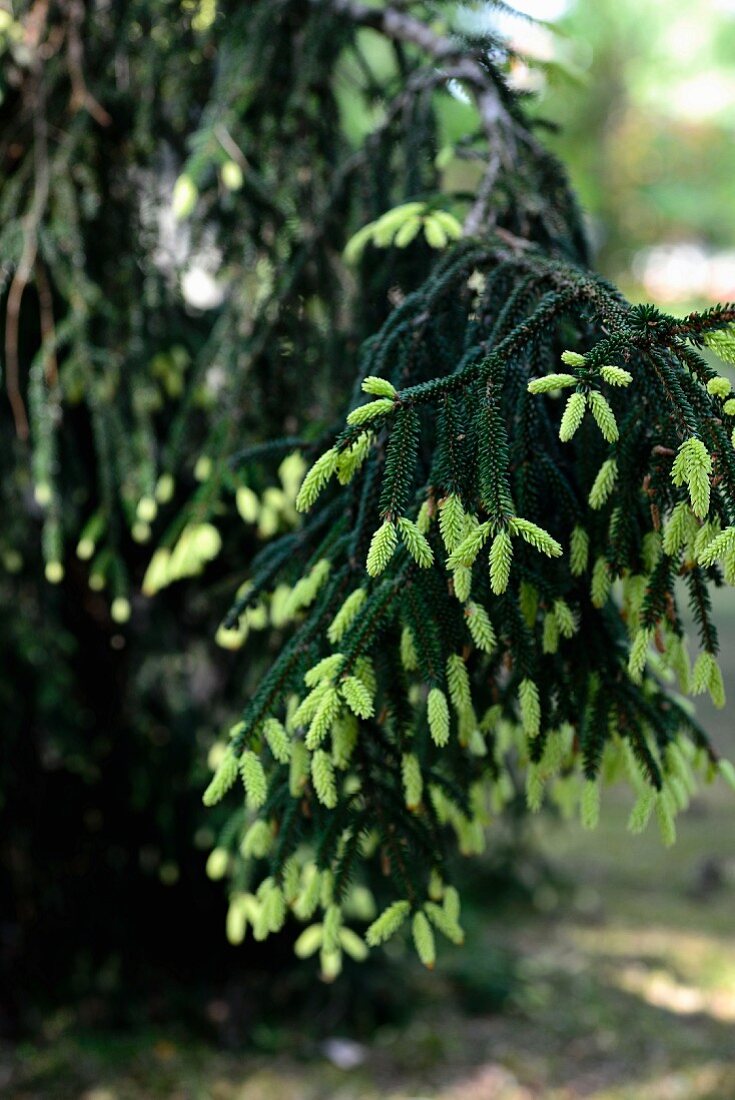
[624, 989]
[626, 992]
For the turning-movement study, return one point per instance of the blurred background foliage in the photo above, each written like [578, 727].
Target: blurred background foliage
[105, 902]
[645, 98]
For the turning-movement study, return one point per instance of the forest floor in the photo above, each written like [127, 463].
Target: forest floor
[622, 987]
[625, 991]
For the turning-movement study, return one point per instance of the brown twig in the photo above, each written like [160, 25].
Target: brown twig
[81, 97]
[31, 222]
[496, 120]
[48, 328]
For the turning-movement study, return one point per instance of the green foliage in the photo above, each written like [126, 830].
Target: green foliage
[465, 485]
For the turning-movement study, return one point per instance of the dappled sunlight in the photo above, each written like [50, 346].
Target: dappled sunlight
[695, 956]
[661, 989]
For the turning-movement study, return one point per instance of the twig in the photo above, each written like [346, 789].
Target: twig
[397, 25]
[81, 97]
[31, 223]
[48, 329]
[495, 117]
[478, 211]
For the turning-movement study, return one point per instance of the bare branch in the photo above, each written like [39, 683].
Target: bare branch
[497, 122]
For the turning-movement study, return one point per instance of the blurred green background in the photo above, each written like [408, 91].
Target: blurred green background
[607, 969]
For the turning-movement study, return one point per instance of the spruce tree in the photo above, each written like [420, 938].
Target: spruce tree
[513, 476]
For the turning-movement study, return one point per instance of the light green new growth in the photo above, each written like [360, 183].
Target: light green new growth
[470, 546]
[350, 942]
[459, 683]
[409, 657]
[351, 459]
[451, 225]
[579, 545]
[723, 546]
[253, 778]
[306, 589]
[615, 376]
[408, 231]
[308, 899]
[719, 386]
[358, 698]
[423, 938]
[564, 618]
[551, 382]
[257, 840]
[639, 654]
[413, 784]
[365, 413]
[707, 676]
[665, 819]
[501, 557]
[693, 467]
[382, 548]
[536, 536]
[309, 942]
[590, 804]
[382, 231]
[221, 781]
[452, 902]
[332, 925]
[573, 416]
[326, 711]
[400, 225]
[277, 739]
[435, 233]
[642, 810]
[604, 416]
[217, 863]
[378, 387]
[706, 534]
[344, 739]
[298, 770]
[722, 342]
[534, 788]
[416, 543]
[438, 715]
[679, 529]
[323, 670]
[603, 484]
[346, 615]
[272, 914]
[388, 923]
[462, 580]
[480, 627]
[550, 639]
[445, 922]
[729, 407]
[601, 583]
[573, 359]
[530, 707]
[316, 478]
[309, 705]
[424, 517]
[387, 224]
[322, 775]
[727, 771]
[365, 671]
[451, 521]
[247, 504]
